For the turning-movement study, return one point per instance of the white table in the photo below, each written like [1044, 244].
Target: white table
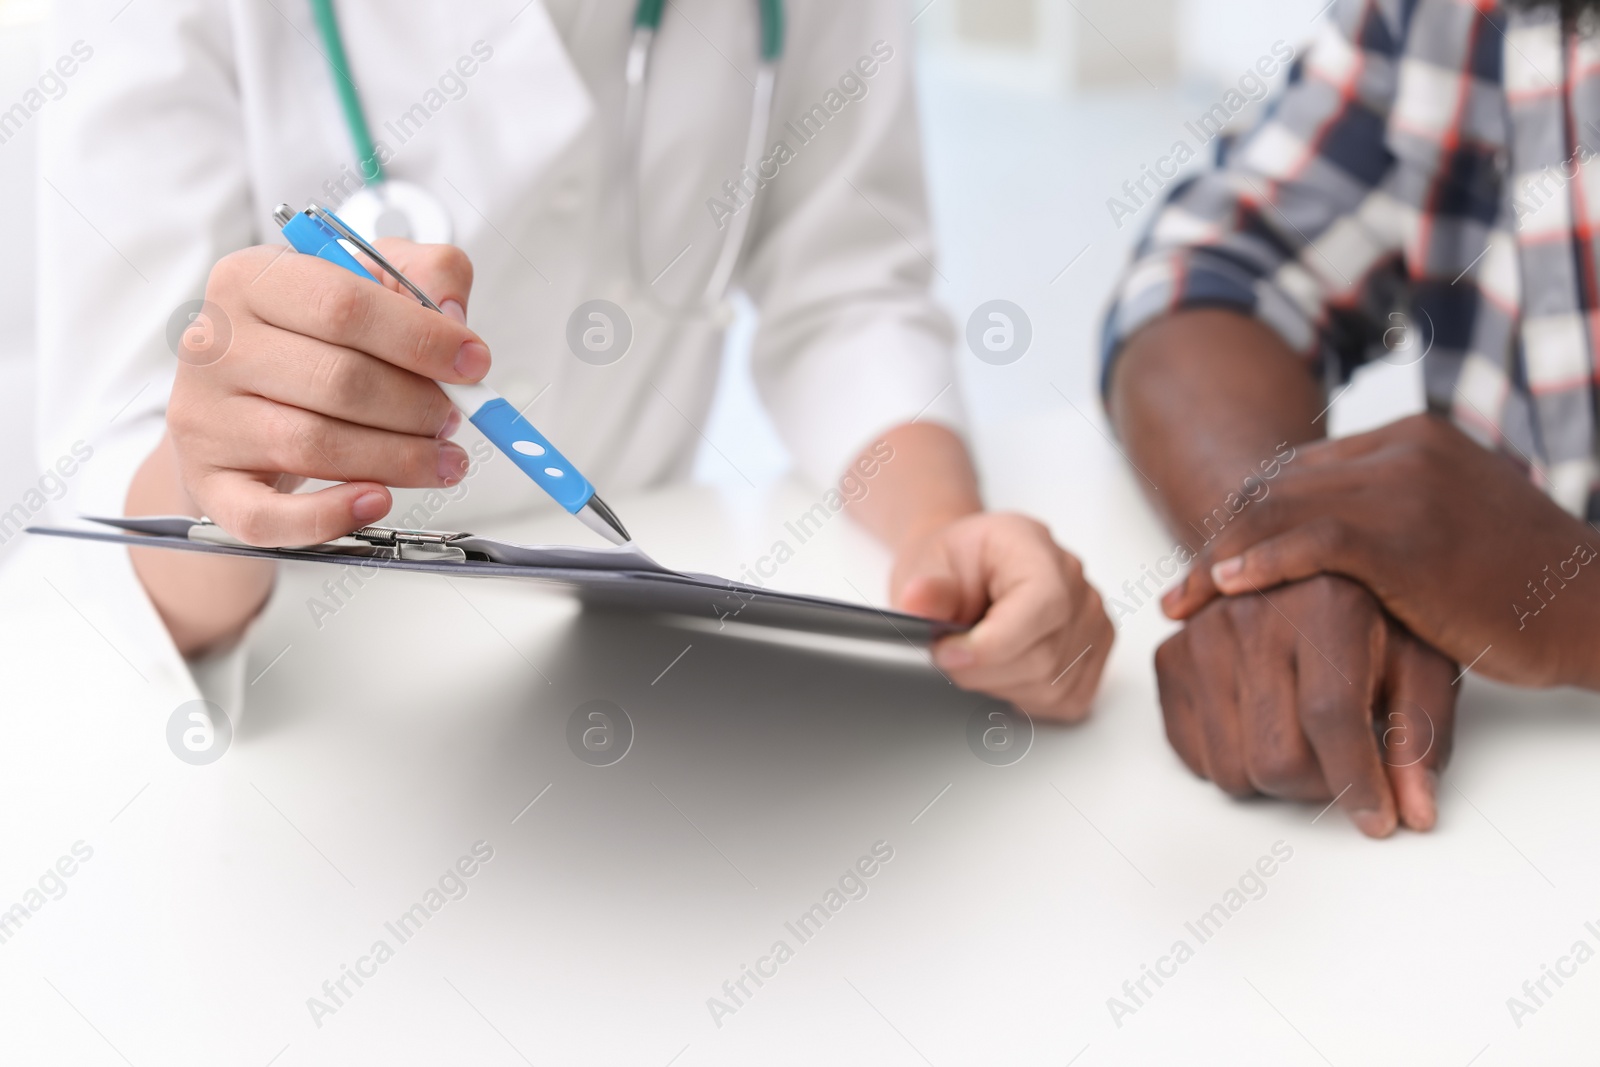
[426, 716]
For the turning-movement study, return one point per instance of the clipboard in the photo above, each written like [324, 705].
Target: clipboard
[616, 578]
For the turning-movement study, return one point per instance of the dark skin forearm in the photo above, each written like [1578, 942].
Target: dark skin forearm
[1455, 541]
[1274, 694]
[1201, 399]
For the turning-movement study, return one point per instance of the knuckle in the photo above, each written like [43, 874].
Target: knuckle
[1269, 511]
[1340, 596]
[1044, 665]
[183, 420]
[280, 453]
[253, 343]
[1324, 719]
[1246, 613]
[454, 263]
[1021, 524]
[1229, 774]
[1414, 460]
[1277, 771]
[308, 447]
[342, 309]
[1332, 534]
[1216, 615]
[1074, 708]
[1071, 569]
[252, 523]
[316, 439]
[286, 455]
[1058, 612]
[339, 381]
[233, 271]
[1107, 632]
[1094, 607]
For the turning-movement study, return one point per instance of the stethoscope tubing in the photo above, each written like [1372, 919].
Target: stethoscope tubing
[647, 20]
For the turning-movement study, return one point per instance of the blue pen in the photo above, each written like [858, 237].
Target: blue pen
[318, 232]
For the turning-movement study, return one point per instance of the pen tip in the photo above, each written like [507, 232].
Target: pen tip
[602, 520]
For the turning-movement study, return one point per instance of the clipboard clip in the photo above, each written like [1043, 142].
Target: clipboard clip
[413, 544]
[383, 541]
[386, 542]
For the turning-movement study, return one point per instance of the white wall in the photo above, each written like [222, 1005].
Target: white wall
[1221, 38]
[1094, 45]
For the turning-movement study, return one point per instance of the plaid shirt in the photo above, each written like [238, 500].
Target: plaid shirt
[1426, 186]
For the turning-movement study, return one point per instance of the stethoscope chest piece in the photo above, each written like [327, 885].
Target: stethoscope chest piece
[397, 209]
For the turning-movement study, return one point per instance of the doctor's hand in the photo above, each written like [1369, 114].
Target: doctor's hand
[327, 376]
[1042, 635]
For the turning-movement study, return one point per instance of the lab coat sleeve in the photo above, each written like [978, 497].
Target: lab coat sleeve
[851, 342]
[142, 187]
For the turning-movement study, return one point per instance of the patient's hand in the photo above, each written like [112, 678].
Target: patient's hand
[1310, 692]
[1452, 538]
[1042, 634]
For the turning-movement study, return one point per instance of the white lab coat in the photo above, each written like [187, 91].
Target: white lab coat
[194, 118]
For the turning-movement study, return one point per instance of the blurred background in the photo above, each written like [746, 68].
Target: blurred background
[1035, 113]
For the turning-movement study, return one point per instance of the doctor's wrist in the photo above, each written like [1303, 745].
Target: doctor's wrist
[913, 481]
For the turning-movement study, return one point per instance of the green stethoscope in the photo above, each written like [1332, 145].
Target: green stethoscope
[385, 207]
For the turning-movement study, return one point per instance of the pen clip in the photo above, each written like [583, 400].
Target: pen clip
[337, 225]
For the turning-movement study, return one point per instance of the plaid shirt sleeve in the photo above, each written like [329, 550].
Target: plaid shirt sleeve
[1297, 224]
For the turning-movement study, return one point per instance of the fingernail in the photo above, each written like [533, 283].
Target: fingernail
[452, 423]
[955, 655]
[369, 507]
[454, 309]
[472, 362]
[452, 463]
[1373, 822]
[1227, 570]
